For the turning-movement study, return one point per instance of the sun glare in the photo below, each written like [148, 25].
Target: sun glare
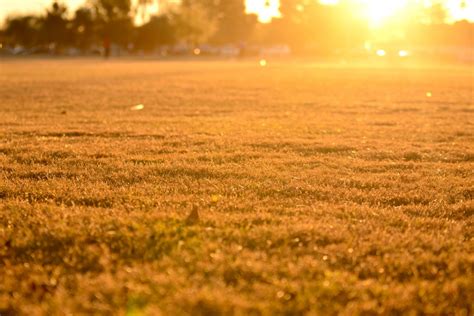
[460, 10]
[329, 2]
[266, 10]
[377, 12]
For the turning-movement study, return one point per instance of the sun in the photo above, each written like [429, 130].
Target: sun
[377, 11]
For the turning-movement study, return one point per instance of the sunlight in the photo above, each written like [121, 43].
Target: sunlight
[266, 10]
[329, 2]
[377, 12]
[460, 10]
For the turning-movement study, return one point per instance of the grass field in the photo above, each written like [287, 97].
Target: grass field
[320, 189]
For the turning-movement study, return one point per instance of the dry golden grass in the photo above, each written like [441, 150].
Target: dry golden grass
[320, 190]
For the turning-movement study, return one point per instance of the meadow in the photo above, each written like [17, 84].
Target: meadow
[321, 189]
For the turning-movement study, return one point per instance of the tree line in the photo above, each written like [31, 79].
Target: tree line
[304, 26]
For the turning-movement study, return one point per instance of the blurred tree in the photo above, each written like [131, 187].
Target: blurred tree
[193, 22]
[306, 26]
[233, 25]
[114, 20]
[436, 13]
[142, 7]
[54, 27]
[23, 30]
[157, 32]
[427, 25]
[84, 28]
[302, 24]
[311, 26]
[110, 10]
[463, 34]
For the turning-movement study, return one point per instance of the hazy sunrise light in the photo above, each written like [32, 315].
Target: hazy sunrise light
[236, 157]
[265, 9]
[375, 11]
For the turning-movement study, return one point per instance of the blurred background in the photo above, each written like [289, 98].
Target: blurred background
[343, 30]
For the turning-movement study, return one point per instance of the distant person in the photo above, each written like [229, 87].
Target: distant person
[242, 50]
[106, 45]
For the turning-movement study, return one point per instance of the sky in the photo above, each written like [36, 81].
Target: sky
[9, 7]
[28, 6]
[265, 9]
